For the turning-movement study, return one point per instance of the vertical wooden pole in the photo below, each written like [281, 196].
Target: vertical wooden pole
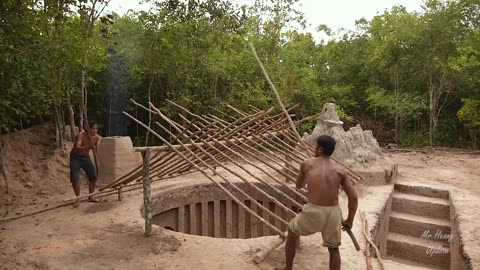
[147, 194]
[120, 194]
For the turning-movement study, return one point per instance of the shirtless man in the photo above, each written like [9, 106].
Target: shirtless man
[80, 159]
[322, 212]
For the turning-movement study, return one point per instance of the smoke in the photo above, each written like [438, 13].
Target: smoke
[117, 83]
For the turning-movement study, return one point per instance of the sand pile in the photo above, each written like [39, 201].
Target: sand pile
[356, 148]
[35, 166]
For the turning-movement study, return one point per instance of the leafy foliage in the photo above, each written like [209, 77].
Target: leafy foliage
[416, 73]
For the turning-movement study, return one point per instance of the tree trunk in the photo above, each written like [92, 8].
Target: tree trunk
[110, 114]
[437, 88]
[71, 116]
[82, 99]
[396, 82]
[58, 125]
[4, 167]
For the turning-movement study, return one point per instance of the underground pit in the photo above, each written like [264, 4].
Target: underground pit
[206, 210]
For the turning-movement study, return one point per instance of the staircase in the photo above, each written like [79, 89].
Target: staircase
[419, 227]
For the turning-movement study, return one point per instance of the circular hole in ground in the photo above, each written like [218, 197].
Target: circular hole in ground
[206, 210]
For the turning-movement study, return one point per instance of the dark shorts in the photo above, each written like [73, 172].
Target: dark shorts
[81, 162]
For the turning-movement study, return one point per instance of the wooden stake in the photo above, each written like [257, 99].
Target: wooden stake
[147, 195]
[120, 194]
[365, 233]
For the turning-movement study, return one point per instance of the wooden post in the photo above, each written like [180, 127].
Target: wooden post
[147, 194]
[120, 194]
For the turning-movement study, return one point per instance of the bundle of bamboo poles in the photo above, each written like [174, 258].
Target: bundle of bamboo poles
[260, 144]
[254, 134]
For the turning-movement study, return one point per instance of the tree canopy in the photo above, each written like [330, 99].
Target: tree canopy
[417, 73]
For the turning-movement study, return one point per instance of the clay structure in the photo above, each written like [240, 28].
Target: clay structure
[355, 148]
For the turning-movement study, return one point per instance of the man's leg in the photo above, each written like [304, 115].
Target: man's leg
[89, 169]
[76, 187]
[91, 189]
[75, 178]
[290, 250]
[334, 258]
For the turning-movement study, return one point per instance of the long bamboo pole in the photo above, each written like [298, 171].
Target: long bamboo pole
[287, 115]
[266, 173]
[258, 167]
[241, 204]
[274, 200]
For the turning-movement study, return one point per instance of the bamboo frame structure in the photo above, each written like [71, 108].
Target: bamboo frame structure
[259, 144]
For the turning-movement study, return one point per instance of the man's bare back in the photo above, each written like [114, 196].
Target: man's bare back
[323, 180]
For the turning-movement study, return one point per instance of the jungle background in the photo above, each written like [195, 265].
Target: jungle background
[411, 77]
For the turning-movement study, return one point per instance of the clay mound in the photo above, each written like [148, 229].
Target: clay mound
[355, 148]
[35, 166]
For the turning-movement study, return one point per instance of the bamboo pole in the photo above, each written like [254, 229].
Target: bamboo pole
[365, 233]
[268, 196]
[258, 167]
[271, 159]
[222, 113]
[368, 260]
[66, 203]
[268, 174]
[132, 175]
[292, 125]
[241, 204]
[259, 159]
[249, 119]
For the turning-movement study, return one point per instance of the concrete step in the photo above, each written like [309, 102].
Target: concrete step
[421, 205]
[418, 250]
[419, 226]
[393, 263]
[422, 191]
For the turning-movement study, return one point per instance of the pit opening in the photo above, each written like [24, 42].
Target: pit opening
[205, 210]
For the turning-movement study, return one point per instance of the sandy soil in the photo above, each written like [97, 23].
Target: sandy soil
[109, 235]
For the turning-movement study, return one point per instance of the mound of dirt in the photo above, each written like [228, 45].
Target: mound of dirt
[355, 148]
[36, 168]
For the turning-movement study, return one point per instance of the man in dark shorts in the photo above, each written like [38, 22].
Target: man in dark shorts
[322, 212]
[80, 159]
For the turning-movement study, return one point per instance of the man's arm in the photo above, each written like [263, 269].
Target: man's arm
[301, 176]
[352, 200]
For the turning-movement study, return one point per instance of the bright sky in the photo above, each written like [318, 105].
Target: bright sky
[334, 13]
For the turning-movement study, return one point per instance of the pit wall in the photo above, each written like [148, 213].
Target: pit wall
[458, 258]
[206, 210]
[380, 229]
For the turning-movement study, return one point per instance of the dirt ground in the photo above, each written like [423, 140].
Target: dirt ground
[109, 235]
